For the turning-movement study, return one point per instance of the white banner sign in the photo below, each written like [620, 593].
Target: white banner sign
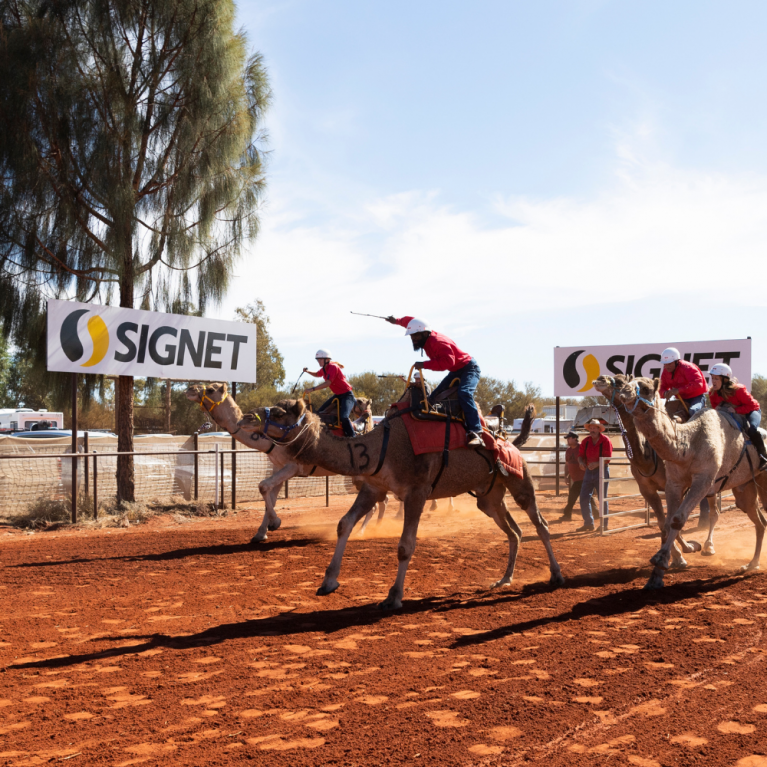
[87, 338]
[575, 367]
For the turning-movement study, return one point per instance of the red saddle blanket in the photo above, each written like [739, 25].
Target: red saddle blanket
[429, 437]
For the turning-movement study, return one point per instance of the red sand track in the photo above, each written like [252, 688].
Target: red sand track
[183, 645]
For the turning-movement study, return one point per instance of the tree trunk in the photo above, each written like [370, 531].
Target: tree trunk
[126, 484]
[167, 406]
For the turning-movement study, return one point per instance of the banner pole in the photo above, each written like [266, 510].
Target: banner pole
[74, 448]
[557, 482]
[234, 456]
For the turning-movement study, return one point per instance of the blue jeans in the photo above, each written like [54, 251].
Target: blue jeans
[694, 404]
[468, 377]
[754, 418]
[590, 485]
[346, 406]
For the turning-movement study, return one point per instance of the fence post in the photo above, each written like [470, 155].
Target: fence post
[557, 453]
[74, 447]
[196, 465]
[95, 486]
[327, 491]
[215, 479]
[85, 449]
[234, 456]
[601, 495]
[223, 502]
[286, 488]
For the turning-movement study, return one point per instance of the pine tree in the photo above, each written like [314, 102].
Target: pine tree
[130, 160]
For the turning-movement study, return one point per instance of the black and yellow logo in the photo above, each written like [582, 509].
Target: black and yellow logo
[73, 346]
[571, 374]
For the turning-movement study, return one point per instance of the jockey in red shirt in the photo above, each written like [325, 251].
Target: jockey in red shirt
[726, 391]
[683, 379]
[342, 390]
[443, 354]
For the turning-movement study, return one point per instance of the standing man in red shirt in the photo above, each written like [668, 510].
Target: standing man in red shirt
[682, 379]
[574, 474]
[443, 354]
[592, 448]
[341, 388]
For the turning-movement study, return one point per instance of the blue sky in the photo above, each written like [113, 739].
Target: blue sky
[522, 175]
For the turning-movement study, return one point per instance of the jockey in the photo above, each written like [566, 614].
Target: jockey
[443, 354]
[341, 388]
[683, 379]
[725, 390]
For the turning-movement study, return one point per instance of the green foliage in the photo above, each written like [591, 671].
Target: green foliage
[270, 370]
[383, 391]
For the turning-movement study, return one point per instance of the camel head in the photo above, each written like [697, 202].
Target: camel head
[608, 386]
[639, 394]
[280, 422]
[363, 406]
[207, 395]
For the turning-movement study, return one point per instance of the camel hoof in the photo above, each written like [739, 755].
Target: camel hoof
[680, 564]
[274, 525]
[390, 603]
[258, 538]
[326, 589]
[502, 582]
[749, 568]
[708, 551]
[657, 561]
[693, 547]
[557, 580]
[655, 582]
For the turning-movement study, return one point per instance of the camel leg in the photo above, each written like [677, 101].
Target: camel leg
[713, 518]
[450, 504]
[369, 515]
[433, 506]
[365, 501]
[495, 508]
[678, 511]
[746, 499]
[523, 492]
[400, 511]
[414, 503]
[270, 521]
[657, 506]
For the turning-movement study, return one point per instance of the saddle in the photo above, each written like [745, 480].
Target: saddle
[429, 408]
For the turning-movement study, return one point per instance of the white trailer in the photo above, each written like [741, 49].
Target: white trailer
[23, 418]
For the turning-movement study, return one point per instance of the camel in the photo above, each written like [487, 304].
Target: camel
[214, 398]
[384, 458]
[706, 455]
[649, 471]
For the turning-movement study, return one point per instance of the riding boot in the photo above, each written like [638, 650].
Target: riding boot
[758, 442]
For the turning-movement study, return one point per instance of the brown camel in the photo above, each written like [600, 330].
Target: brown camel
[649, 471]
[386, 461]
[707, 455]
[214, 398]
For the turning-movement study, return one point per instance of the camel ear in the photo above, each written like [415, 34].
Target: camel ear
[224, 389]
[298, 408]
[277, 411]
[656, 383]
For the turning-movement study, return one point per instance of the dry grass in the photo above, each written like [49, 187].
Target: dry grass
[46, 514]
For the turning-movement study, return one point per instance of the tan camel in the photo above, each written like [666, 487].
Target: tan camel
[214, 398]
[386, 461]
[649, 471]
[703, 456]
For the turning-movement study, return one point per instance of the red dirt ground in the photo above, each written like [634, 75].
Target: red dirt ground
[181, 644]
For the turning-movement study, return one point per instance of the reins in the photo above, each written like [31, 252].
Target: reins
[624, 434]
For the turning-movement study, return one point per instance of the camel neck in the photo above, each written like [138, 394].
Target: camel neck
[659, 430]
[350, 457]
[637, 442]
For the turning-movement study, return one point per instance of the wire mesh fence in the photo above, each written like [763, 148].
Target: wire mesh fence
[163, 467]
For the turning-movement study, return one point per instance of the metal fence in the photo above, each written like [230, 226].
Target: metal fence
[200, 467]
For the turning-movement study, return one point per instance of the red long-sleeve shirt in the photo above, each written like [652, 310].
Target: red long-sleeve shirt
[333, 373]
[591, 452]
[741, 400]
[687, 379]
[442, 352]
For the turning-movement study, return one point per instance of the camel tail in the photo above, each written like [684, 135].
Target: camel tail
[527, 423]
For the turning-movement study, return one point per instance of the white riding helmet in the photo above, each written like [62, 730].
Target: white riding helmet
[321, 354]
[670, 355]
[721, 369]
[416, 326]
